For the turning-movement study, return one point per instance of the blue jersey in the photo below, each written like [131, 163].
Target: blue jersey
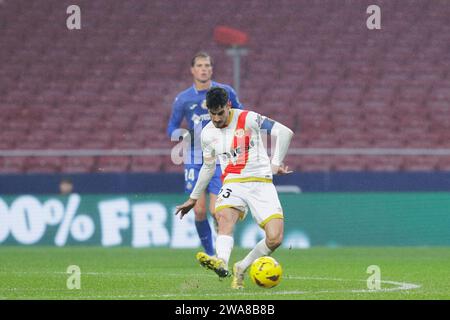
[191, 105]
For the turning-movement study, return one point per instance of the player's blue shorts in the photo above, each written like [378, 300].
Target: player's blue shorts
[191, 172]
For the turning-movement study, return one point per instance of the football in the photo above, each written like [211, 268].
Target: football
[266, 272]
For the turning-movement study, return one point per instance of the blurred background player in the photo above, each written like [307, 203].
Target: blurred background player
[190, 105]
[65, 186]
[247, 180]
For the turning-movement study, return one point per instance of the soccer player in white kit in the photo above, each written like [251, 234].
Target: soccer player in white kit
[235, 137]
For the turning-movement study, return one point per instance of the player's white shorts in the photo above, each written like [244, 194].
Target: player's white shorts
[260, 198]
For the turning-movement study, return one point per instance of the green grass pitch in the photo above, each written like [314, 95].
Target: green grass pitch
[317, 273]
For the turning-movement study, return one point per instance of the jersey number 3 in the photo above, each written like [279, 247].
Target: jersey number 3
[226, 194]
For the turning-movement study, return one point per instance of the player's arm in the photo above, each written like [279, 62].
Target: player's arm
[235, 103]
[284, 137]
[176, 117]
[204, 177]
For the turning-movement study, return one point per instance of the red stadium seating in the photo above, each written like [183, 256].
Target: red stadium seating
[9, 165]
[78, 164]
[314, 163]
[348, 163]
[384, 163]
[422, 163]
[111, 86]
[112, 164]
[43, 164]
[146, 164]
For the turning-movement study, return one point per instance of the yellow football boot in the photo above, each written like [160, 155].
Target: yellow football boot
[238, 278]
[213, 263]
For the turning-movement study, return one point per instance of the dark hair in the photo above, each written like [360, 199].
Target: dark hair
[66, 180]
[216, 98]
[201, 54]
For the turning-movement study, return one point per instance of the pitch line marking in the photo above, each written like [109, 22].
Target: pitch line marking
[401, 286]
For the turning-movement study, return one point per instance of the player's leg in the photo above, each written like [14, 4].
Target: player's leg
[202, 225]
[274, 230]
[228, 210]
[230, 207]
[212, 202]
[214, 188]
[267, 212]
[226, 219]
[201, 221]
[212, 206]
[274, 236]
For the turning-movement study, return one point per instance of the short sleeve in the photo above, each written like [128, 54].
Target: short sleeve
[259, 122]
[255, 120]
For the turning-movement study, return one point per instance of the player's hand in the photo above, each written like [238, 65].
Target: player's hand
[280, 170]
[185, 207]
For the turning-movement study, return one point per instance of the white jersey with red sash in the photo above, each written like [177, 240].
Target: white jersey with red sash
[239, 147]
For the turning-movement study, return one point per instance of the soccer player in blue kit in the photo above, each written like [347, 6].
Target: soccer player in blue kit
[190, 104]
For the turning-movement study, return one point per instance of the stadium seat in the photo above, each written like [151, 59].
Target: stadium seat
[12, 165]
[169, 166]
[113, 87]
[112, 164]
[443, 163]
[421, 163]
[384, 163]
[43, 164]
[146, 164]
[314, 163]
[348, 163]
[78, 164]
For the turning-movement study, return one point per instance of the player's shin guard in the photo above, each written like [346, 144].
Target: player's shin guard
[224, 245]
[205, 234]
[261, 249]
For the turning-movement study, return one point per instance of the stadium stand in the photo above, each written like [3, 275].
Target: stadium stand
[312, 65]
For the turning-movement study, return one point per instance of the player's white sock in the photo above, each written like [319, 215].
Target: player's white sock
[224, 245]
[261, 249]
